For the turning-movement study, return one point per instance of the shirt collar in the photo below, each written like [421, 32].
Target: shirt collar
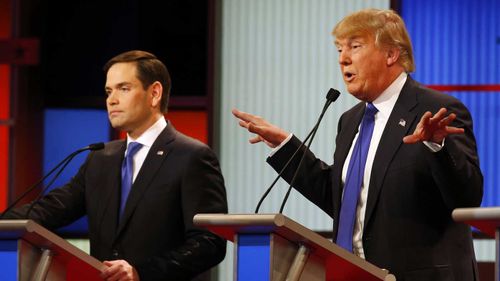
[151, 134]
[386, 101]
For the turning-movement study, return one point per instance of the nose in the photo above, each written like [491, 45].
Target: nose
[111, 99]
[344, 57]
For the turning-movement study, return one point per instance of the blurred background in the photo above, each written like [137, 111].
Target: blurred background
[274, 58]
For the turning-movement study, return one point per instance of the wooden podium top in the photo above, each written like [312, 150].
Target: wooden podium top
[485, 219]
[339, 262]
[42, 238]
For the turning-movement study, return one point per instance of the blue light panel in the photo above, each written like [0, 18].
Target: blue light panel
[67, 130]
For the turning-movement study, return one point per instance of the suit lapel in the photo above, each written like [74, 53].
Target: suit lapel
[398, 126]
[156, 155]
[108, 206]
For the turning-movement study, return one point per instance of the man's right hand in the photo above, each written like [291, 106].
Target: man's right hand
[265, 131]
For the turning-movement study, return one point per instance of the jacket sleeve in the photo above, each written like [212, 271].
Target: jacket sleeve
[455, 168]
[59, 207]
[314, 179]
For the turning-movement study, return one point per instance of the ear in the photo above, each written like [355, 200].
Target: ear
[156, 94]
[392, 56]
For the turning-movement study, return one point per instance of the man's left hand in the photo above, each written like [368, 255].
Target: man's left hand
[434, 128]
[119, 270]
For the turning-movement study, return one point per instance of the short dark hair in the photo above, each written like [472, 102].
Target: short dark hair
[149, 70]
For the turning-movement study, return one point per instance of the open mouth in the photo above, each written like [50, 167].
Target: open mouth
[348, 76]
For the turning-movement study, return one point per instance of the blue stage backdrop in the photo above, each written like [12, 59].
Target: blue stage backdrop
[457, 50]
[67, 130]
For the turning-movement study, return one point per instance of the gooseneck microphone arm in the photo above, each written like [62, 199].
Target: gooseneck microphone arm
[331, 97]
[47, 186]
[314, 130]
[63, 163]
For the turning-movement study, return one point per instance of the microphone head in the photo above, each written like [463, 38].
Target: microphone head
[332, 95]
[96, 146]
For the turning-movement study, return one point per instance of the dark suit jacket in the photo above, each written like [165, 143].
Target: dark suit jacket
[179, 178]
[408, 227]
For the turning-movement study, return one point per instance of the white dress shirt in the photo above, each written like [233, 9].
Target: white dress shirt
[146, 139]
[384, 103]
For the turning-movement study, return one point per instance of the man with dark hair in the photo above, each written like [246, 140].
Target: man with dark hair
[401, 162]
[140, 194]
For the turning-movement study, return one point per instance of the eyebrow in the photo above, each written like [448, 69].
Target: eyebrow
[350, 40]
[119, 85]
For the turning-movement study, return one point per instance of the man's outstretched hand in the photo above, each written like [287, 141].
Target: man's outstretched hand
[434, 128]
[265, 131]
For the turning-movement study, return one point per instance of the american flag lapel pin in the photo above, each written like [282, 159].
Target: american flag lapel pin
[402, 122]
[160, 152]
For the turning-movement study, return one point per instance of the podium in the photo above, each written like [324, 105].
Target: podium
[28, 251]
[273, 247]
[488, 221]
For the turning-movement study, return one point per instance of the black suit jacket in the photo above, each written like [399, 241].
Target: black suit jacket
[180, 177]
[408, 227]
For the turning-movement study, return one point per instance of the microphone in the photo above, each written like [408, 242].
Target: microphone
[63, 163]
[331, 97]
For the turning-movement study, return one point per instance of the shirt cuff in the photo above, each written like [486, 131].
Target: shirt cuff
[281, 145]
[434, 147]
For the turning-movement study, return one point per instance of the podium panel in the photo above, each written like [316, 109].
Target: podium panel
[8, 259]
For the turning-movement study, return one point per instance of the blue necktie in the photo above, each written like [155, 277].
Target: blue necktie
[354, 179]
[128, 173]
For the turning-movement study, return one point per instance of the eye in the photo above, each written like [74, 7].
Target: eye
[125, 89]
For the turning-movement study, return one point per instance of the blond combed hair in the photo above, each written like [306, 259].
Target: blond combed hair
[386, 26]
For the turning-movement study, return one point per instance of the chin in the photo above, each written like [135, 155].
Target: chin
[116, 125]
[356, 94]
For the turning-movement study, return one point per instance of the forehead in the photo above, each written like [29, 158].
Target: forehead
[121, 72]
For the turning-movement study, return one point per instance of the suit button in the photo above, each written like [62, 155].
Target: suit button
[115, 254]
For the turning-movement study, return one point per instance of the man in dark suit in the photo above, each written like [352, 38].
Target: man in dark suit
[415, 168]
[145, 232]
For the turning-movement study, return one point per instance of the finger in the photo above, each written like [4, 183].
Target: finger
[255, 139]
[410, 139]
[243, 115]
[124, 278]
[244, 124]
[120, 274]
[252, 128]
[114, 271]
[447, 120]
[454, 130]
[438, 116]
[425, 118]
[107, 274]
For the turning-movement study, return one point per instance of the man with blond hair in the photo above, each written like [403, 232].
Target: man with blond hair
[405, 157]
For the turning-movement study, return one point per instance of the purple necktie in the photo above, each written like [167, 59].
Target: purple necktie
[128, 173]
[354, 179]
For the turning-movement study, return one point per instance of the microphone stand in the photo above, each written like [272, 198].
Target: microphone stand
[331, 97]
[64, 163]
[314, 130]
